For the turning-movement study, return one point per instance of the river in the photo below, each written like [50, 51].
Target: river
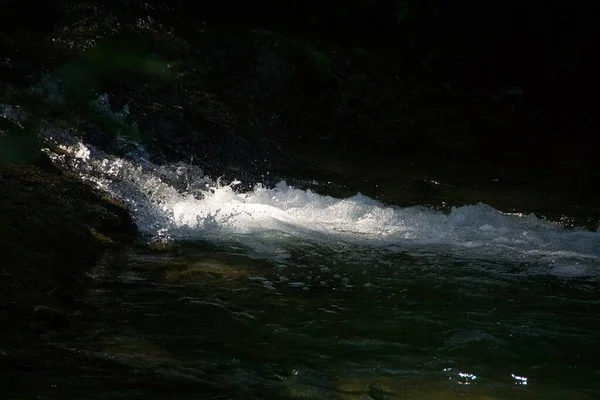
[288, 293]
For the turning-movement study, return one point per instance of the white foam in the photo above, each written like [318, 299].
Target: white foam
[359, 219]
[273, 222]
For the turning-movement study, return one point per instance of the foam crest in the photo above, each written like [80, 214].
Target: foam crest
[478, 229]
[176, 202]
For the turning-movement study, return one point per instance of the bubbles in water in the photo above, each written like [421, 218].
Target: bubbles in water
[479, 230]
[177, 202]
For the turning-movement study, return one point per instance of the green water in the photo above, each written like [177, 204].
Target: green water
[199, 323]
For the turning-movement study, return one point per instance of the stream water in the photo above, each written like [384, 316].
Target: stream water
[283, 293]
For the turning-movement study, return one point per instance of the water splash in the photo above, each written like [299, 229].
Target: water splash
[177, 202]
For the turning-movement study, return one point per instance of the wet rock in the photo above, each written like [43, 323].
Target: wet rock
[53, 227]
[168, 247]
[52, 319]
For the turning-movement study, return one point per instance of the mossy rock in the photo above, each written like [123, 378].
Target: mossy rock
[52, 227]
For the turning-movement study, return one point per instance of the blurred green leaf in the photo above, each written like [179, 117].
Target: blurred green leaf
[402, 10]
[111, 56]
[19, 143]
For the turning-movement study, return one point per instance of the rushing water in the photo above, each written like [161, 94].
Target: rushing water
[285, 293]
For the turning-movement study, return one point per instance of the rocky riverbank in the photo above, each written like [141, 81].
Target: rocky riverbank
[53, 228]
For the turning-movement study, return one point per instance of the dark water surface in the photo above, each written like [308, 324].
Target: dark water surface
[208, 321]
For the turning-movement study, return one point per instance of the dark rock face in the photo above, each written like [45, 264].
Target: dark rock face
[52, 228]
[237, 93]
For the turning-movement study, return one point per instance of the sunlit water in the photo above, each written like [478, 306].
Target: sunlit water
[289, 294]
